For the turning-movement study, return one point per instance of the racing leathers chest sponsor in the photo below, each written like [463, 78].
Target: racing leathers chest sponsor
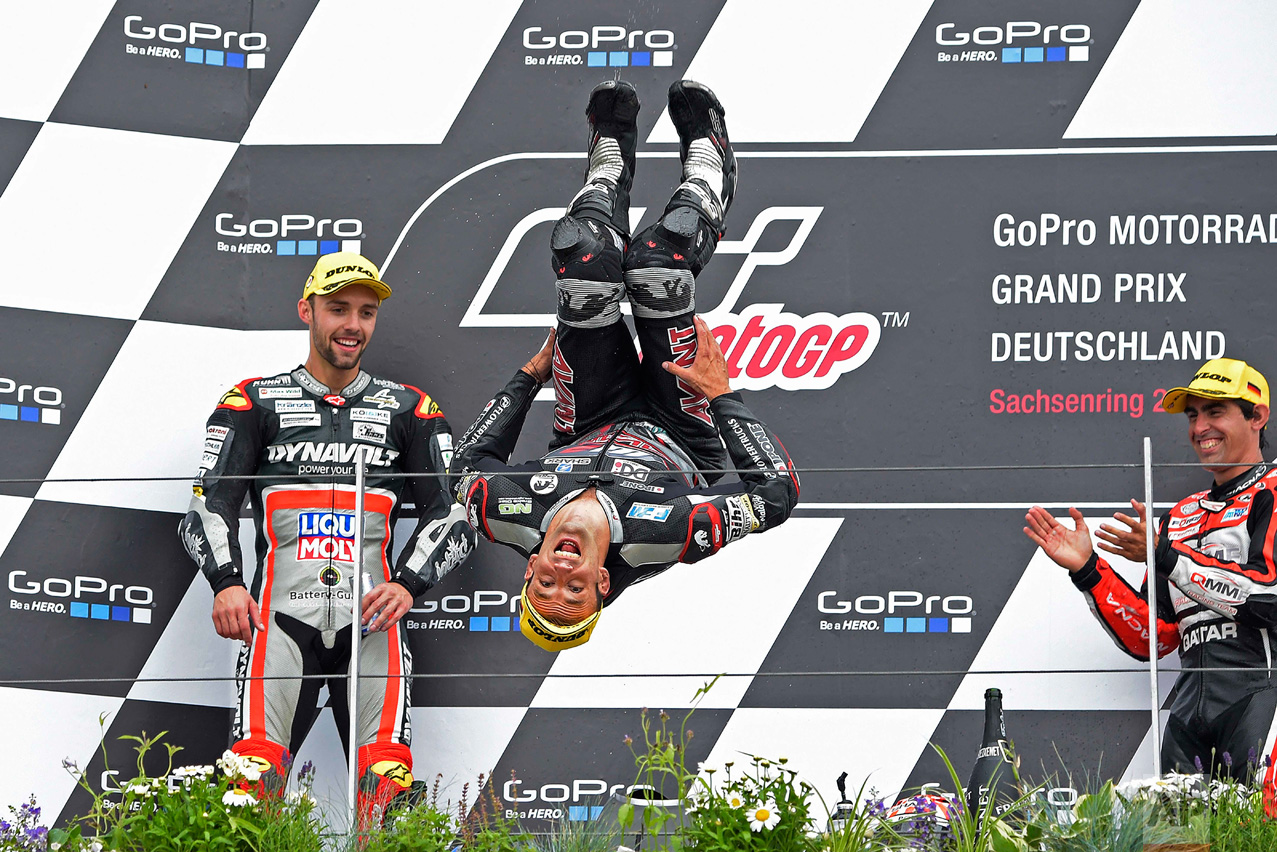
[303, 505]
[1217, 593]
[660, 513]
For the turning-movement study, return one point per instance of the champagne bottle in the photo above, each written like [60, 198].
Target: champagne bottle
[994, 763]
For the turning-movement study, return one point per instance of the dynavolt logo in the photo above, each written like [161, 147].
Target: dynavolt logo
[1014, 42]
[608, 46]
[482, 611]
[288, 235]
[897, 611]
[195, 42]
[27, 403]
[765, 345]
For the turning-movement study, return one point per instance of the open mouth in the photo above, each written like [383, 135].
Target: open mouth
[568, 548]
[347, 342]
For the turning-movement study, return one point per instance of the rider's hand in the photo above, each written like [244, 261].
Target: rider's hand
[708, 373]
[541, 365]
[384, 606]
[235, 614]
[1128, 543]
[1068, 548]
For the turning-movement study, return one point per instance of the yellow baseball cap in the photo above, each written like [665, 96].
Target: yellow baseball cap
[549, 636]
[1220, 378]
[341, 269]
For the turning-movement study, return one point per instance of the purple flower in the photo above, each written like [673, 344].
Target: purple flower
[1197, 761]
[1228, 760]
[1251, 756]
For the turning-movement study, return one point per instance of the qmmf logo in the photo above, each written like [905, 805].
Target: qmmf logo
[601, 47]
[289, 235]
[200, 43]
[1015, 42]
[30, 403]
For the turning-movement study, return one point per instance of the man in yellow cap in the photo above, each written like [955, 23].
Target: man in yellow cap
[630, 483]
[303, 431]
[1217, 582]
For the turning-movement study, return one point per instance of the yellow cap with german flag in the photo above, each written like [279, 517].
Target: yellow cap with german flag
[547, 635]
[341, 269]
[1220, 378]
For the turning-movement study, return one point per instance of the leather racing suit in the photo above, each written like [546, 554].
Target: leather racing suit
[659, 513]
[1217, 602]
[302, 438]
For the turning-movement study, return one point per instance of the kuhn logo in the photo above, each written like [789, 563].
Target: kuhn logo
[765, 345]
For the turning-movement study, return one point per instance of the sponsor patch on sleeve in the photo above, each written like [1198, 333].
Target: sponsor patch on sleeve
[739, 516]
[235, 400]
[428, 407]
[648, 512]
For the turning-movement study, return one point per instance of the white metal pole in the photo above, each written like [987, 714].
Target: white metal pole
[352, 691]
[1149, 567]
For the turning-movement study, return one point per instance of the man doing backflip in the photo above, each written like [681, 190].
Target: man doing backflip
[1217, 581]
[627, 487]
[304, 431]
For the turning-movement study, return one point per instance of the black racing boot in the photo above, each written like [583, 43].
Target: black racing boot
[612, 113]
[709, 166]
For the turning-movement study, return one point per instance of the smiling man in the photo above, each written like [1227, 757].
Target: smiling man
[1217, 581]
[302, 431]
[628, 486]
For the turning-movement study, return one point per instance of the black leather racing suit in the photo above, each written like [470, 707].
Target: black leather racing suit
[1217, 602]
[658, 514]
[292, 427]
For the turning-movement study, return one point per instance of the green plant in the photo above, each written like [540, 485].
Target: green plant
[764, 807]
[581, 836]
[423, 826]
[193, 807]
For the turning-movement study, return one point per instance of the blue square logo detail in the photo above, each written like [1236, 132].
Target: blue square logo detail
[596, 59]
[120, 613]
[618, 58]
[938, 625]
[328, 246]
[1057, 54]
[30, 414]
[214, 57]
[578, 813]
[79, 609]
[101, 612]
[479, 623]
[501, 624]
[8, 412]
[893, 625]
[234, 60]
[641, 57]
[195, 54]
[286, 248]
[1010, 54]
[915, 625]
[1034, 54]
[310, 247]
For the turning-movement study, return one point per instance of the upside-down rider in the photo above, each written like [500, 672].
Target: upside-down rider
[630, 484]
[301, 432]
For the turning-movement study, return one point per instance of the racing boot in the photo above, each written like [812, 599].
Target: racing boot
[385, 773]
[612, 114]
[270, 759]
[689, 230]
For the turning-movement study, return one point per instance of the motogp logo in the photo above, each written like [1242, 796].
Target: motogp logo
[765, 345]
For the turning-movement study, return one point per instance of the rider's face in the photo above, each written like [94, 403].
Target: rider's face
[566, 577]
[1221, 435]
[341, 324]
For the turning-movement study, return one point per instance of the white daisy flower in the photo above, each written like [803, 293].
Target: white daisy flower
[734, 800]
[763, 816]
[237, 798]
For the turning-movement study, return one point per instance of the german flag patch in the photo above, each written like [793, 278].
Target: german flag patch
[235, 400]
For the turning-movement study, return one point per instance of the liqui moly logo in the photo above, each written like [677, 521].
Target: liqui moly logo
[326, 535]
[764, 344]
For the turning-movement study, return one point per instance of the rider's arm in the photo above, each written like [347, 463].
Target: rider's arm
[1123, 613]
[488, 443]
[210, 530]
[765, 496]
[442, 539]
[1245, 591]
